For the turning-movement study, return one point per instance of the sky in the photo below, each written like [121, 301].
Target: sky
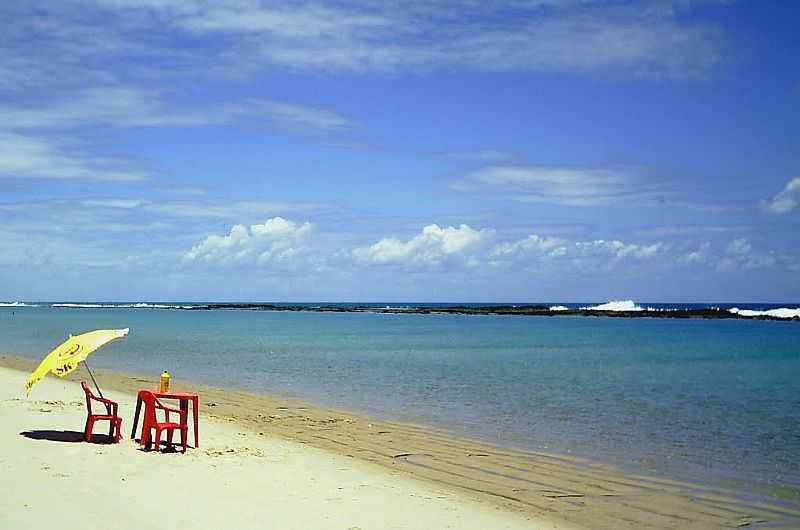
[400, 150]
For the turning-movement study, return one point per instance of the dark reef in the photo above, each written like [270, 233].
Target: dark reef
[524, 310]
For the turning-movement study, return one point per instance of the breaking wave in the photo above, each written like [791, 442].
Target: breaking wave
[16, 304]
[140, 305]
[781, 312]
[616, 305]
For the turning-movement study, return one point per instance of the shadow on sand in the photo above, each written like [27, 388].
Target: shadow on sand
[63, 436]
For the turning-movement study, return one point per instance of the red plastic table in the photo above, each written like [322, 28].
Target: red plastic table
[184, 397]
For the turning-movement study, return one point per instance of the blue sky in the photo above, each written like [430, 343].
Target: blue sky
[400, 150]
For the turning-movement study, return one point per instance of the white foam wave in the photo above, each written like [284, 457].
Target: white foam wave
[559, 308]
[616, 305]
[16, 304]
[139, 305]
[80, 305]
[142, 305]
[781, 312]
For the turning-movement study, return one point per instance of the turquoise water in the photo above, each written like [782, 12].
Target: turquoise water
[715, 400]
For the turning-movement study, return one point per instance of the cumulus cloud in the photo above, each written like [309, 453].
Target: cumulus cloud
[739, 247]
[786, 200]
[274, 242]
[432, 246]
[533, 244]
[619, 249]
[561, 254]
[695, 256]
[465, 246]
[740, 254]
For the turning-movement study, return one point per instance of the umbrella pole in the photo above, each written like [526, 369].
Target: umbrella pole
[93, 379]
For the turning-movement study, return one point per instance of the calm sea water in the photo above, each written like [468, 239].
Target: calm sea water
[715, 400]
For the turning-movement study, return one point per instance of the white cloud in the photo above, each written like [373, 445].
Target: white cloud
[512, 36]
[124, 204]
[654, 39]
[25, 156]
[309, 21]
[296, 115]
[198, 211]
[537, 251]
[432, 246]
[274, 242]
[739, 247]
[465, 246]
[225, 210]
[121, 106]
[740, 255]
[619, 249]
[686, 230]
[561, 185]
[533, 244]
[696, 256]
[26, 151]
[786, 200]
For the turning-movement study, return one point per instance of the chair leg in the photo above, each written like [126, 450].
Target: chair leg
[170, 432]
[184, 435]
[145, 429]
[145, 440]
[158, 439]
[89, 428]
[118, 433]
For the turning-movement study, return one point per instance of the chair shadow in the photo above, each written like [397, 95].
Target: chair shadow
[163, 447]
[64, 436]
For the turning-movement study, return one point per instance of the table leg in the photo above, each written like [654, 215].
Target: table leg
[185, 408]
[195, 401]
[136, 416]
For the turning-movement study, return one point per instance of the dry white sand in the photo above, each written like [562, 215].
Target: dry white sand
[237, 479]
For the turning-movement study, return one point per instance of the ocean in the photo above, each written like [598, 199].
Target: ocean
[714, 401]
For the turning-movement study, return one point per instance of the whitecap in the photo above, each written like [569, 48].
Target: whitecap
[559, 308]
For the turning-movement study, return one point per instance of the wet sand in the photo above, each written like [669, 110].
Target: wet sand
[534, 485]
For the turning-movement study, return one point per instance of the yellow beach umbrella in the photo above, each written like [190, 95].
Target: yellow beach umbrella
[65, 358]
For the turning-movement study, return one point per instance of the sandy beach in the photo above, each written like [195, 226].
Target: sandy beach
[266, 462]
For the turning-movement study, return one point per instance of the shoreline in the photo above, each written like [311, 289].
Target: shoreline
[529, 483]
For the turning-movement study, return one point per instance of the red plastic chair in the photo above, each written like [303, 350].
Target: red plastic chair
[115, 422]
[151, 405]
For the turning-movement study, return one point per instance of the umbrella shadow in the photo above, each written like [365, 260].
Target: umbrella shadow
[64, 436]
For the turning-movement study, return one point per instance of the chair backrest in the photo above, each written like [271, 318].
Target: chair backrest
[149, 400]
[89, 395]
